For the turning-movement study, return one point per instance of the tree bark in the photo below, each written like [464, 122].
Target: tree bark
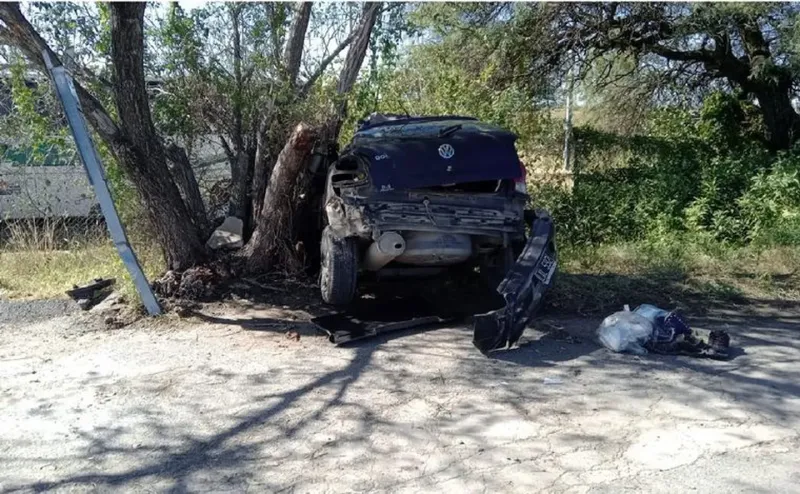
[294, 46]
[352, 65]
[262, 163]
[185, 179]
[139, 149]
[272, 244]
[781, 121]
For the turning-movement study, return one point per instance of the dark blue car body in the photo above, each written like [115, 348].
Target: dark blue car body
[415, 196]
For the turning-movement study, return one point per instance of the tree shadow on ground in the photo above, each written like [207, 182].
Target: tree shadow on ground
[177, 464]
[561, 341]
[514, 379]
[601, 294]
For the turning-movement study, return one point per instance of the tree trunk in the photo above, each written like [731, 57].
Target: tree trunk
[139, 149]
[240, 185]
[781, 121]
[271, 243]
[183, 175]
[294, 46]
[262, 163]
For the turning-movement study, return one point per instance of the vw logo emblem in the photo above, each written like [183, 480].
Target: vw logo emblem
[446, 151]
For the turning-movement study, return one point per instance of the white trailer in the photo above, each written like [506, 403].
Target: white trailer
[56, 185]
[44, 191]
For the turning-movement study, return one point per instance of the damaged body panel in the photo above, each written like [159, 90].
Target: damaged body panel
[417, 196]
[523, 289]
[480, 214]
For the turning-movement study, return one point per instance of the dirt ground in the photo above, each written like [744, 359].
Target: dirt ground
[229, 403]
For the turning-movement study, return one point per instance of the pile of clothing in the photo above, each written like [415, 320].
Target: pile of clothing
[651, 329]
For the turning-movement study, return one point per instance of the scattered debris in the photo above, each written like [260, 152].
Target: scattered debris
[649, 328]
[625, 331]
[371, 317]
[293, 335]
[228, 235]
[90, 294]
[112, 303]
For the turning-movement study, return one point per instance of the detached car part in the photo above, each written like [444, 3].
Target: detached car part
[522, 289]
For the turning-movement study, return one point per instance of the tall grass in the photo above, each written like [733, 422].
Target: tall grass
[692, 272]
[44, 258]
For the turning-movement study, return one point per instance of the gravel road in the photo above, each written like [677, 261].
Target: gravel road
[207, 405]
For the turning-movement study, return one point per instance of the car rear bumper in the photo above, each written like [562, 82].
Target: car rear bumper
[471, 214]
[522, 289]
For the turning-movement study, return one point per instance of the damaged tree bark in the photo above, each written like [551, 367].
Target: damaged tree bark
[291, 206]
[271, 242]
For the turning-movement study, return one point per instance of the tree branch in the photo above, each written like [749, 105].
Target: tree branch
[355, 56]
[20, 33]
[324, 65]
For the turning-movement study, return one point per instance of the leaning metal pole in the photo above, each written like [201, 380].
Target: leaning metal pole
[65, 90]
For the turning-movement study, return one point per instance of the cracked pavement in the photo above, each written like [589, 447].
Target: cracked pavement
[185, 405]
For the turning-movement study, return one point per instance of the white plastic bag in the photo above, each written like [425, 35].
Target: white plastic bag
[625, 331]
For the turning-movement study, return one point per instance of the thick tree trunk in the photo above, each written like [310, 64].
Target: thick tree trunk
[139, 149]
[240, 185]
[781, 121]
[271, 244]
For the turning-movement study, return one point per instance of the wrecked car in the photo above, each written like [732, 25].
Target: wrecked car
[422, 196]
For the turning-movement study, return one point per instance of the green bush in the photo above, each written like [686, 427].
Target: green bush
[705, 174]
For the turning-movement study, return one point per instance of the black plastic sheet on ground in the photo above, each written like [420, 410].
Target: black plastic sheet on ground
[368, 317]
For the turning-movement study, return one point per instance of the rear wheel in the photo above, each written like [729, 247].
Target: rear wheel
[338, 269]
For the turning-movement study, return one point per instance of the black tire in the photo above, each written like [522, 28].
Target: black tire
[338, 277]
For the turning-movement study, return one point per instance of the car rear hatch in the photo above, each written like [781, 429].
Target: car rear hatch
[421, 153]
